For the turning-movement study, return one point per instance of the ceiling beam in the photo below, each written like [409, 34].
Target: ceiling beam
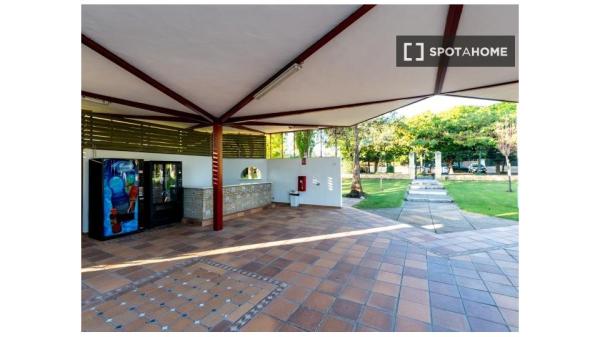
[452, 20]
[144, 77]
[241, 127]
[287, 124]
[482, 98]
[304, 111]
[482, 87]
[146, 117]
[300, 58]
[149, 107]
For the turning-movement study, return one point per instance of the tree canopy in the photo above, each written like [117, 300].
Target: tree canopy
[460, 133]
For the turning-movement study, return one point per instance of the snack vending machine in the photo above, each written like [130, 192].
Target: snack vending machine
[164, 193]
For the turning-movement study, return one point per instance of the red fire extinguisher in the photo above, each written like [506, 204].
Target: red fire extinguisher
[301, 183]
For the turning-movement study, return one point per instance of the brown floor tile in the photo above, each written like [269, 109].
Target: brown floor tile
[405, 324]
[386, 288]
[212, 319]
[414, 310]
[307, 281]
[269, 271]
[415, 282]
[106, 282]
[296, 293]
[346, 309]
[362, 283]
[376, 319]
[355, 294]
[330, 287]
[281, 308]
[97, 324]
[195, 328]
[389, 277]
[306, 318]
[334, 324]
[319, 301]
[289, 328]
[297, 266]
[317, 271]
[392, 268]
[326, 263]
[364, 328]
[134, 326]
[414, 295]
[383, 302]
[181, 325]
[262, 323]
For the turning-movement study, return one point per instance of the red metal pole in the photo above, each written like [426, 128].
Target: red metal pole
[217, 176]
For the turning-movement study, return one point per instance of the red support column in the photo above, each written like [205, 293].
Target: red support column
[217, 176]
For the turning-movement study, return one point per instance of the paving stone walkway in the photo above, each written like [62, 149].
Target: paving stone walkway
[428, 206]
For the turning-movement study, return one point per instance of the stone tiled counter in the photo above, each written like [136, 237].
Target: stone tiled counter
[237, 199]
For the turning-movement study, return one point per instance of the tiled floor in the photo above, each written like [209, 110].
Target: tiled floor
[306, 269]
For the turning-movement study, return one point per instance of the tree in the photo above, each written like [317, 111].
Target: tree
[506, 141]
[305, 141]
[356, 190]
[275, 145]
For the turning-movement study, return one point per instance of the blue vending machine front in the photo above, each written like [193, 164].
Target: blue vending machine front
[114, 197]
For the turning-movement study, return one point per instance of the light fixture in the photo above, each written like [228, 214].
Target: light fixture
[278, 80]
[96, 100]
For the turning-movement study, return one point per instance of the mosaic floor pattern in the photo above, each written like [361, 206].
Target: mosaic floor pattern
[204, 296]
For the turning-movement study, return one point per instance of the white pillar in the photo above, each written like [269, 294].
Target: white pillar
[411, 166]
[438, 165]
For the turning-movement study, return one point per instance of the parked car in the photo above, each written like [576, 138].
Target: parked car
[477, 168]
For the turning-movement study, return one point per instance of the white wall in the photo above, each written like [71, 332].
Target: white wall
[283, 174]
[232, 170]
[196, 170]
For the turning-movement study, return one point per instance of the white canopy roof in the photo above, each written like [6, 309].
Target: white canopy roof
[214, 57]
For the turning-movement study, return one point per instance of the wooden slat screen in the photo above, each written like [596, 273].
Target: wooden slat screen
[105, 132]
[244, 146]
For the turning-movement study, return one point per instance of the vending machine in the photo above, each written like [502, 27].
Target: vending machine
[163, 185]
[115, 197]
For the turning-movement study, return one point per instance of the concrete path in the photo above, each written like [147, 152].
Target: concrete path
[428, 206]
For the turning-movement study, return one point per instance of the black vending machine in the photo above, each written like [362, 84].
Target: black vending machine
[115, 197]
[163, 187]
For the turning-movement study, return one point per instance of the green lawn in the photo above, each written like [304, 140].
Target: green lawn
[392, 194]
[485, 197]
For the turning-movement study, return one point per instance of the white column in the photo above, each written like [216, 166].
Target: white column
[411, 165]
[438, 165]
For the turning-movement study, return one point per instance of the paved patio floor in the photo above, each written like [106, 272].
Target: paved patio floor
[304, 269]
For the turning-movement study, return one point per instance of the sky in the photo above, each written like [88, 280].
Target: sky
[440, 103]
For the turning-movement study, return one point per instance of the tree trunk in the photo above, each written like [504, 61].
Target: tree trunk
[376, 166]
[449, 162]
[421, 164]
[509, 174]
[356, 187]
[498, 168]
[368, 166]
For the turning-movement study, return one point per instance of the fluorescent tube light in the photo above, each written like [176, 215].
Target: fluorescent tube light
[278, 80]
